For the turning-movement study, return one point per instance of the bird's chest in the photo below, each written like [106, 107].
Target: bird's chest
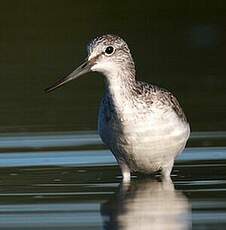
[120, 125]
[136, 123]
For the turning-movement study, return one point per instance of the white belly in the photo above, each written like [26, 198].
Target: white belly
[146, 142]
[150, 153]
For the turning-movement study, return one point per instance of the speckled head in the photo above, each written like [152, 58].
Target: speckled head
[111, 55]
[102, 42]
[107, 54]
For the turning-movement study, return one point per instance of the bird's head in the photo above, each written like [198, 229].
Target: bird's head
[107, 54]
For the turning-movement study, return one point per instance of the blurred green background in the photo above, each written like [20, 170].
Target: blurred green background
[178, 45]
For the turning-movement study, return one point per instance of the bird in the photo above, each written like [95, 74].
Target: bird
[142, 124]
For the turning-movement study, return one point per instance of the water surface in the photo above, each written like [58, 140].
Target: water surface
[70, 181]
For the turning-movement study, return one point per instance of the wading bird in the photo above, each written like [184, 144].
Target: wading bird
[142, 124]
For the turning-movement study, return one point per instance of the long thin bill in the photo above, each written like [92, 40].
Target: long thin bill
[82, 69]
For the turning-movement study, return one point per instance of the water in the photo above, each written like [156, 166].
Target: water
[55, 173]
[70, 181]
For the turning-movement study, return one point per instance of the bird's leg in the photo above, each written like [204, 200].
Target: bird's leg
[125, 172]
[167, 184]
[166, 170]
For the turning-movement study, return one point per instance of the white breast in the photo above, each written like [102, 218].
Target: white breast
[146, 139]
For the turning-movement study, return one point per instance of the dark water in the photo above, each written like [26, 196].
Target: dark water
[55, 172]
[70, 181]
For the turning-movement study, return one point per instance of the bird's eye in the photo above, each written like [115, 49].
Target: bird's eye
[109, 50]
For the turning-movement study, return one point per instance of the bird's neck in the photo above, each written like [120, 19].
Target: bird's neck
[119, 86]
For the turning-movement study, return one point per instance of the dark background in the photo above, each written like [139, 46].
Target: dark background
[178, 45]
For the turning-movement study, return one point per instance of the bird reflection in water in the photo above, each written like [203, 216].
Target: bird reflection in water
[147, 204]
